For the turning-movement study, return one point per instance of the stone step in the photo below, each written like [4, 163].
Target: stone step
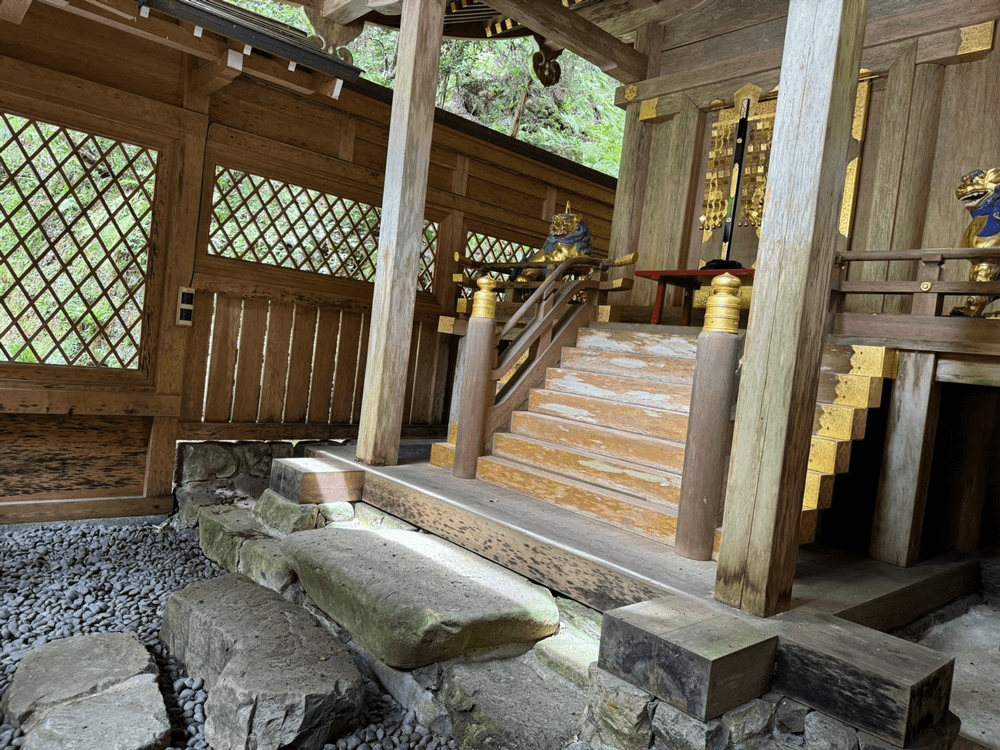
[626, 446]
[605, 472]
[311, 481]
[645, 366]
[274, 676]
[654, 520]
[658, 341]
[412, 599]
[628, 390]
[688, 654]
[642, 420]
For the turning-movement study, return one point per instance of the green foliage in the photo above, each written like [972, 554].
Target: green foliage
[490, 81]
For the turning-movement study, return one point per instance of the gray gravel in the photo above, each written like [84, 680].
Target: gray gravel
[66, 579]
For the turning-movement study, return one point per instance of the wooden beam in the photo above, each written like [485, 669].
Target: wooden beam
[784, 340]
[906, 462]
[211, 76]
[569, 30]
[343, 12]
[400, 236]
[14, 10]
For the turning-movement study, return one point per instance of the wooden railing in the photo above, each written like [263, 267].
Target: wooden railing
[924, 329]
[546, 322]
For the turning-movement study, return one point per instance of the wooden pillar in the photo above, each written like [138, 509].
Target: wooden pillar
[626, 222]
[400, 234]
[906, 461]
[667, 211]
[774, 416]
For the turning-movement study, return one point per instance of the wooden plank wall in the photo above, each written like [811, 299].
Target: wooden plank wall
[273, 353]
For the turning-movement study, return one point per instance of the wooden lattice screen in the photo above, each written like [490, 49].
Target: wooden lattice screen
[265, 220]
[486, 248]
[75, 218]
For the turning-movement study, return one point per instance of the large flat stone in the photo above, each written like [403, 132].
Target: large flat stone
[70, 668]
[128, 716]
[262, 561]
[273, 673]
[413, 599]
[93, 692]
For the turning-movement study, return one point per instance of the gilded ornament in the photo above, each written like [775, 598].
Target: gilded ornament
[484, 302]
[722, 313]
[631, 92]
[978, 38]
[569, 237]
[979, 192]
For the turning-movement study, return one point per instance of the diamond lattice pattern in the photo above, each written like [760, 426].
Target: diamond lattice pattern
[264, 220]
[75, 217]
[483, 247]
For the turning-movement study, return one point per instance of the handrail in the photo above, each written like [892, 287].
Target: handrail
[929, 254]
[547, 333]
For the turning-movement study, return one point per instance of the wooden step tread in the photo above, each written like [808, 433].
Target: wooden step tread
[645, 366]
[607, 473]
[663, 341]
[629, 390]
[643, 420]
[606, 441]
[653, 520]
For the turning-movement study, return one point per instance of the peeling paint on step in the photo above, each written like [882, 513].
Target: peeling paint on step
[643, 476]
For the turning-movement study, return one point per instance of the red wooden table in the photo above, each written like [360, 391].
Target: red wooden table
[690, 281]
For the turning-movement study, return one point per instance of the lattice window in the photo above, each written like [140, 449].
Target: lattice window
[264, 220]
[483, 247]
[75, 217]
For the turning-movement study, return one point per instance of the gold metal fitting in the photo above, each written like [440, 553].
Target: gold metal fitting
[484, 302]
[631, 92]
[926, 286]
[722, 312]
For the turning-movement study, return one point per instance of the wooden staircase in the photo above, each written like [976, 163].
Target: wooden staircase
[604, 436]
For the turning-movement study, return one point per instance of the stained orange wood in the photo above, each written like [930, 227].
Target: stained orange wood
[279, 336]
[246, 400]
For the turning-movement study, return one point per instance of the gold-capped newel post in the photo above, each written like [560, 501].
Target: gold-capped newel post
[478, 389]
[708, 422]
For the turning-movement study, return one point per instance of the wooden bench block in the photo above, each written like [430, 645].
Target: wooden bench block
[310, 480]
[688, 654]
[884, 685]
[443, 455]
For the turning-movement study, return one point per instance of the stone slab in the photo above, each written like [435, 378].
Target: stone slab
[891, 688]
[223, 530]
[282, 516]
[92, 692]
[685, 653]
[412, 599]
[618, 715]
[272, 672]
[311, 480]
[128, 716]
[571, 652]
[70, 668]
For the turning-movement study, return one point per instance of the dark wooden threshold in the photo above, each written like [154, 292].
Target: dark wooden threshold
[39, 511]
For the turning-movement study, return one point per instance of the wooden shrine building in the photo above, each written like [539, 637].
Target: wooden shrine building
[211, 229]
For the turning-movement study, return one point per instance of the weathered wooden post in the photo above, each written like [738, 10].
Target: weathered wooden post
[475, 388]
[708, 422]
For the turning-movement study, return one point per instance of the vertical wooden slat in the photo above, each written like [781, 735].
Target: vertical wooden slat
[767, 475]
[359, 382]
[161, 457]
[410, 372]
[425, 375]
[347, 367]
[222, 368]
[251, 359]
[279, 335]
[300, 364]
[196, 360]
[324, 363]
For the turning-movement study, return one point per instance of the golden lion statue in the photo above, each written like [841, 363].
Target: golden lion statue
[569, 237]
[979, 191]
